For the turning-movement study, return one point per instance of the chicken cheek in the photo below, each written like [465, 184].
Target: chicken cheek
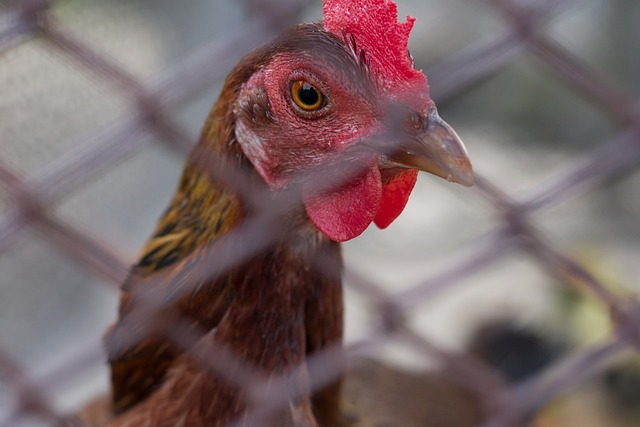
[344, 213]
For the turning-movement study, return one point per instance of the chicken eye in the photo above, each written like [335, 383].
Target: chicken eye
[306, 96]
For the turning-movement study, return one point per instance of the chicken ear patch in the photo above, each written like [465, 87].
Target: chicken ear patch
[395, 195]
[345, 212]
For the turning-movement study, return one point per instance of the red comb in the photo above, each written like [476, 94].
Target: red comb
[376, 30]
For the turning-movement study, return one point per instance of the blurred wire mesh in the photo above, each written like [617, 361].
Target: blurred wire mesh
[101, 100]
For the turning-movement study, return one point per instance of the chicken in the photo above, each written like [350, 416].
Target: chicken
[382, 394]
[332, 121]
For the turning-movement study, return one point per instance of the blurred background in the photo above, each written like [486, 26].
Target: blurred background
[77, 131]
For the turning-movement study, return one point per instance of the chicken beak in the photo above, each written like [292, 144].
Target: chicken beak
[436, 149]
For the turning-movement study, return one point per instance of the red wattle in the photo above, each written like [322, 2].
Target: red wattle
[395, 195]
[344, 213]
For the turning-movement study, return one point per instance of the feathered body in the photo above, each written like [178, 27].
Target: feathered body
[282, 289]
[284, 302]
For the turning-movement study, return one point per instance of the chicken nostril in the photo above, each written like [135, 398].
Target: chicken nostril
[417, 121]
[401, 119]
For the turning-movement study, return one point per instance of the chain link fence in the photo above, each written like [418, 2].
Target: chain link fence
[30, 195]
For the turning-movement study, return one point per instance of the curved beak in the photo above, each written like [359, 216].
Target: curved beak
[436, 148]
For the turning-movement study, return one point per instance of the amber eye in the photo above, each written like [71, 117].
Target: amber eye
[306, 96]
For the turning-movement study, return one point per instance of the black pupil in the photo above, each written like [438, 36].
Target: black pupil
[308, 94]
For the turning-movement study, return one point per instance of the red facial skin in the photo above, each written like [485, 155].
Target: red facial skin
[284, 142]
[298, 141]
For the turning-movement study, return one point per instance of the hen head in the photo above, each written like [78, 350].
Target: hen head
[342, 100]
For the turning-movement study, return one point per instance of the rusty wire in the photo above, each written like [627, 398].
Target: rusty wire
[524, 35]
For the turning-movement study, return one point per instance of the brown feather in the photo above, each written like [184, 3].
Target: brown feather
[375, 395]
[264, 326]
[150, 376]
